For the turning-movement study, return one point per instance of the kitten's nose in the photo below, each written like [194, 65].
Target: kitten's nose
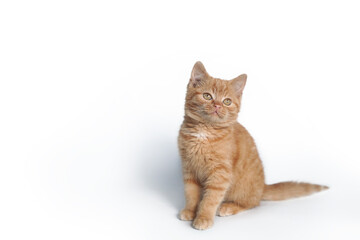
[217, 106]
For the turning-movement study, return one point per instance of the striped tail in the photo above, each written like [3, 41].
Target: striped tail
[286, 190]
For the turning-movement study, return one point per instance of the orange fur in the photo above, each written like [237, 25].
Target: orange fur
[222, 169]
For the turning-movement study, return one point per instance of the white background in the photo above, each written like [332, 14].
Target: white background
[91, 100]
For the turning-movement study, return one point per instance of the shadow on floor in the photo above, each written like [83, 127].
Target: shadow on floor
[162, 171]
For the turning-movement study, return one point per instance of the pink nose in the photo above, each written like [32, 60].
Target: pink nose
[217, 106]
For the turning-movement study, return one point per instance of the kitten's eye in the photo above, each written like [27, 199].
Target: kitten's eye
[227, 101]
[207, 96]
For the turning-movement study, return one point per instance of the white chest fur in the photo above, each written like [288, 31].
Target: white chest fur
[200, 135]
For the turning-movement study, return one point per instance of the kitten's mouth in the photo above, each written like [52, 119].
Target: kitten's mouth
[215, 113]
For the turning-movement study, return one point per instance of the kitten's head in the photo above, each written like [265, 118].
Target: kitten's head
[212, 100]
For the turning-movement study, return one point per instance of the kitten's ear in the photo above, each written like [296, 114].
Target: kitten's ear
[239, 84]
[198, 75]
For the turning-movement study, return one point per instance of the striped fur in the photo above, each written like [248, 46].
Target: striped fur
[222, 169]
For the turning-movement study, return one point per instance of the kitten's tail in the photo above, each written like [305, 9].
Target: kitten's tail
[286, 190]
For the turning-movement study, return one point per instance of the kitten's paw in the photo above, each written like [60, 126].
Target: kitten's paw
[187, 215]
[227, 209]
[202, 223]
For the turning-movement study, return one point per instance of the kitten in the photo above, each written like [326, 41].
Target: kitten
[222, 169]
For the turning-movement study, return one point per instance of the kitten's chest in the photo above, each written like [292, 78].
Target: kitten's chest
[199, 158]
[198, 149]
[195, 141]
[202, 151]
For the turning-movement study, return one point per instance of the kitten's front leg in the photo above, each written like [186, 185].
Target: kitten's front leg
[192, 196]
[214, 193]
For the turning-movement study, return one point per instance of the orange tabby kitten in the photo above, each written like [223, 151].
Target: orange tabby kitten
[222, 169]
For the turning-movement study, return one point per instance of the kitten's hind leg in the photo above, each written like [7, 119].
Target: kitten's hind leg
[229, 208]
